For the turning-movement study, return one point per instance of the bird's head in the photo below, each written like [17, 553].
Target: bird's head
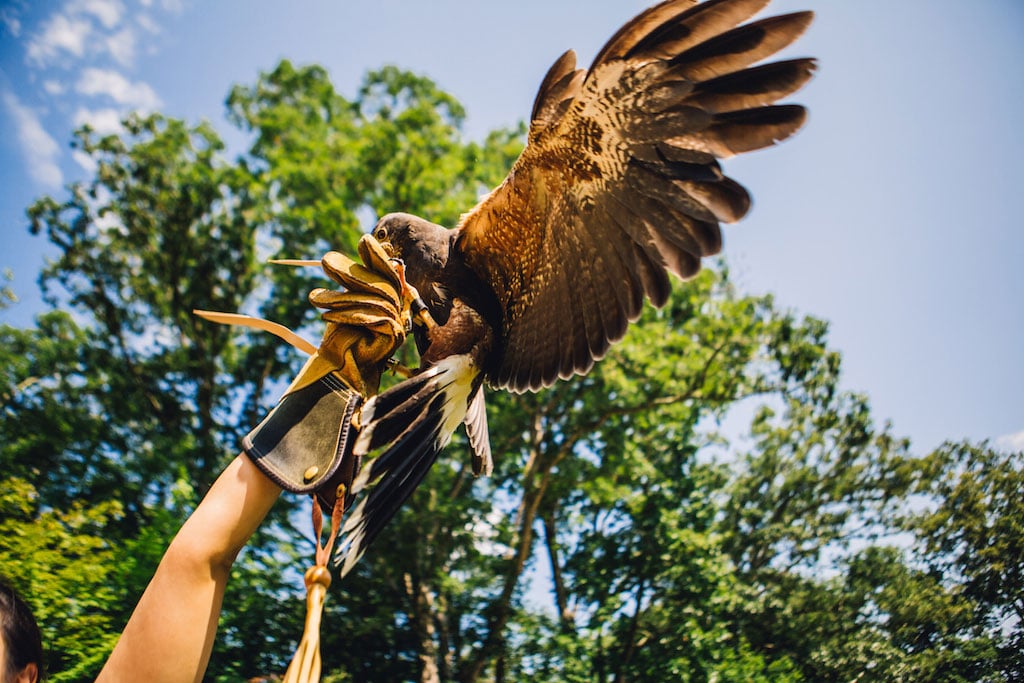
[422, 245]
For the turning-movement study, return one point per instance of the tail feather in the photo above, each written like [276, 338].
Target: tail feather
[411, 423]
[479, 435]
[395, 488]
[386, 416]
[422, 428]
[372, 514]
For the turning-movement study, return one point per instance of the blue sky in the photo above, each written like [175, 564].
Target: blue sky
[893, 215]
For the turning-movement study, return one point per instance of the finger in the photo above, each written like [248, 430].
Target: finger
[377, 260]
[335, 300]
[356, 277]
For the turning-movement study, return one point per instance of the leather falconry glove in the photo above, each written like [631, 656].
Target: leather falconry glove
[305, 443]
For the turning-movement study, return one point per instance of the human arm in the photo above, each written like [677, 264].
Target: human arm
[300, 447]
[170, 634]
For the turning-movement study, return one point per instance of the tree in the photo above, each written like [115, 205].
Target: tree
[972, 539]
[630, 530]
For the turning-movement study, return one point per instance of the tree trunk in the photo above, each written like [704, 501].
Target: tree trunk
[500, 609]
[565, 616]
[423, 623]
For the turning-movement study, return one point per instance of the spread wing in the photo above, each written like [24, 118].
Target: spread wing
[619, 182]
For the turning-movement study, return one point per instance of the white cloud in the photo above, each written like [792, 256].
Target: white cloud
[83, 28]
[37, 146]
[147, 24]
[85, 161]
[53, 87]
[1011, 442]
[108, 12]
[11, 22]
[121, 46]
[61, 33]
[174, 6]
[105, 82]
[102, 121]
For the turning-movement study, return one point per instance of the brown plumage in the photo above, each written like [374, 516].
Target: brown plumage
[618, 185]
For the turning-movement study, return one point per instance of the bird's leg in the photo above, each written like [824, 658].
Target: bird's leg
[402, 370]
[419, 310]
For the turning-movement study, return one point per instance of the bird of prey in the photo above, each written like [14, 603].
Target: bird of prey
[619, 184]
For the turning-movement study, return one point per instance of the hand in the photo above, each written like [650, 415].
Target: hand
[304, 443]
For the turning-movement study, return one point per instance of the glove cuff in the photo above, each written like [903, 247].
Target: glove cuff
[304, 444]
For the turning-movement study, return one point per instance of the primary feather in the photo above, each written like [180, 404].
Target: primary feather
[620, 179]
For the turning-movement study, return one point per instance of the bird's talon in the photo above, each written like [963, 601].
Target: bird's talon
[402, 370]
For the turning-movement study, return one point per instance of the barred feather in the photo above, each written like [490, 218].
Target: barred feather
[410, 424]
[621, 170]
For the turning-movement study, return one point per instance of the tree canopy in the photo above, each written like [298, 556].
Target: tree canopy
[709, 504]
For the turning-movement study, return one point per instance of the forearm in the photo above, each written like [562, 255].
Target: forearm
[170, 634]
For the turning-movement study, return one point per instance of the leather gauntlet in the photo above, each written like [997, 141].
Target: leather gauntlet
[305, 443]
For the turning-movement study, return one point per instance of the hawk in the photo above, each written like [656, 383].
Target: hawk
[619, 184]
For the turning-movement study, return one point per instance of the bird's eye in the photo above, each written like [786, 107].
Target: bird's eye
[380, 234]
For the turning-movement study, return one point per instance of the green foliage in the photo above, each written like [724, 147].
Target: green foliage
[68, 571]
[630, 531]
[7, 295]
[973, 540]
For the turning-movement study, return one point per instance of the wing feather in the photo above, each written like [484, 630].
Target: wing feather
[747, 130]
[626, 298]
[741, 47]
[613, 299]
[556, 92]
[589, 298]
[754, 87]
[695, 26]
[620, 182]
[643, 24]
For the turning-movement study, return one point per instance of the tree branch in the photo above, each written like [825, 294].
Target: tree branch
[565, 617]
